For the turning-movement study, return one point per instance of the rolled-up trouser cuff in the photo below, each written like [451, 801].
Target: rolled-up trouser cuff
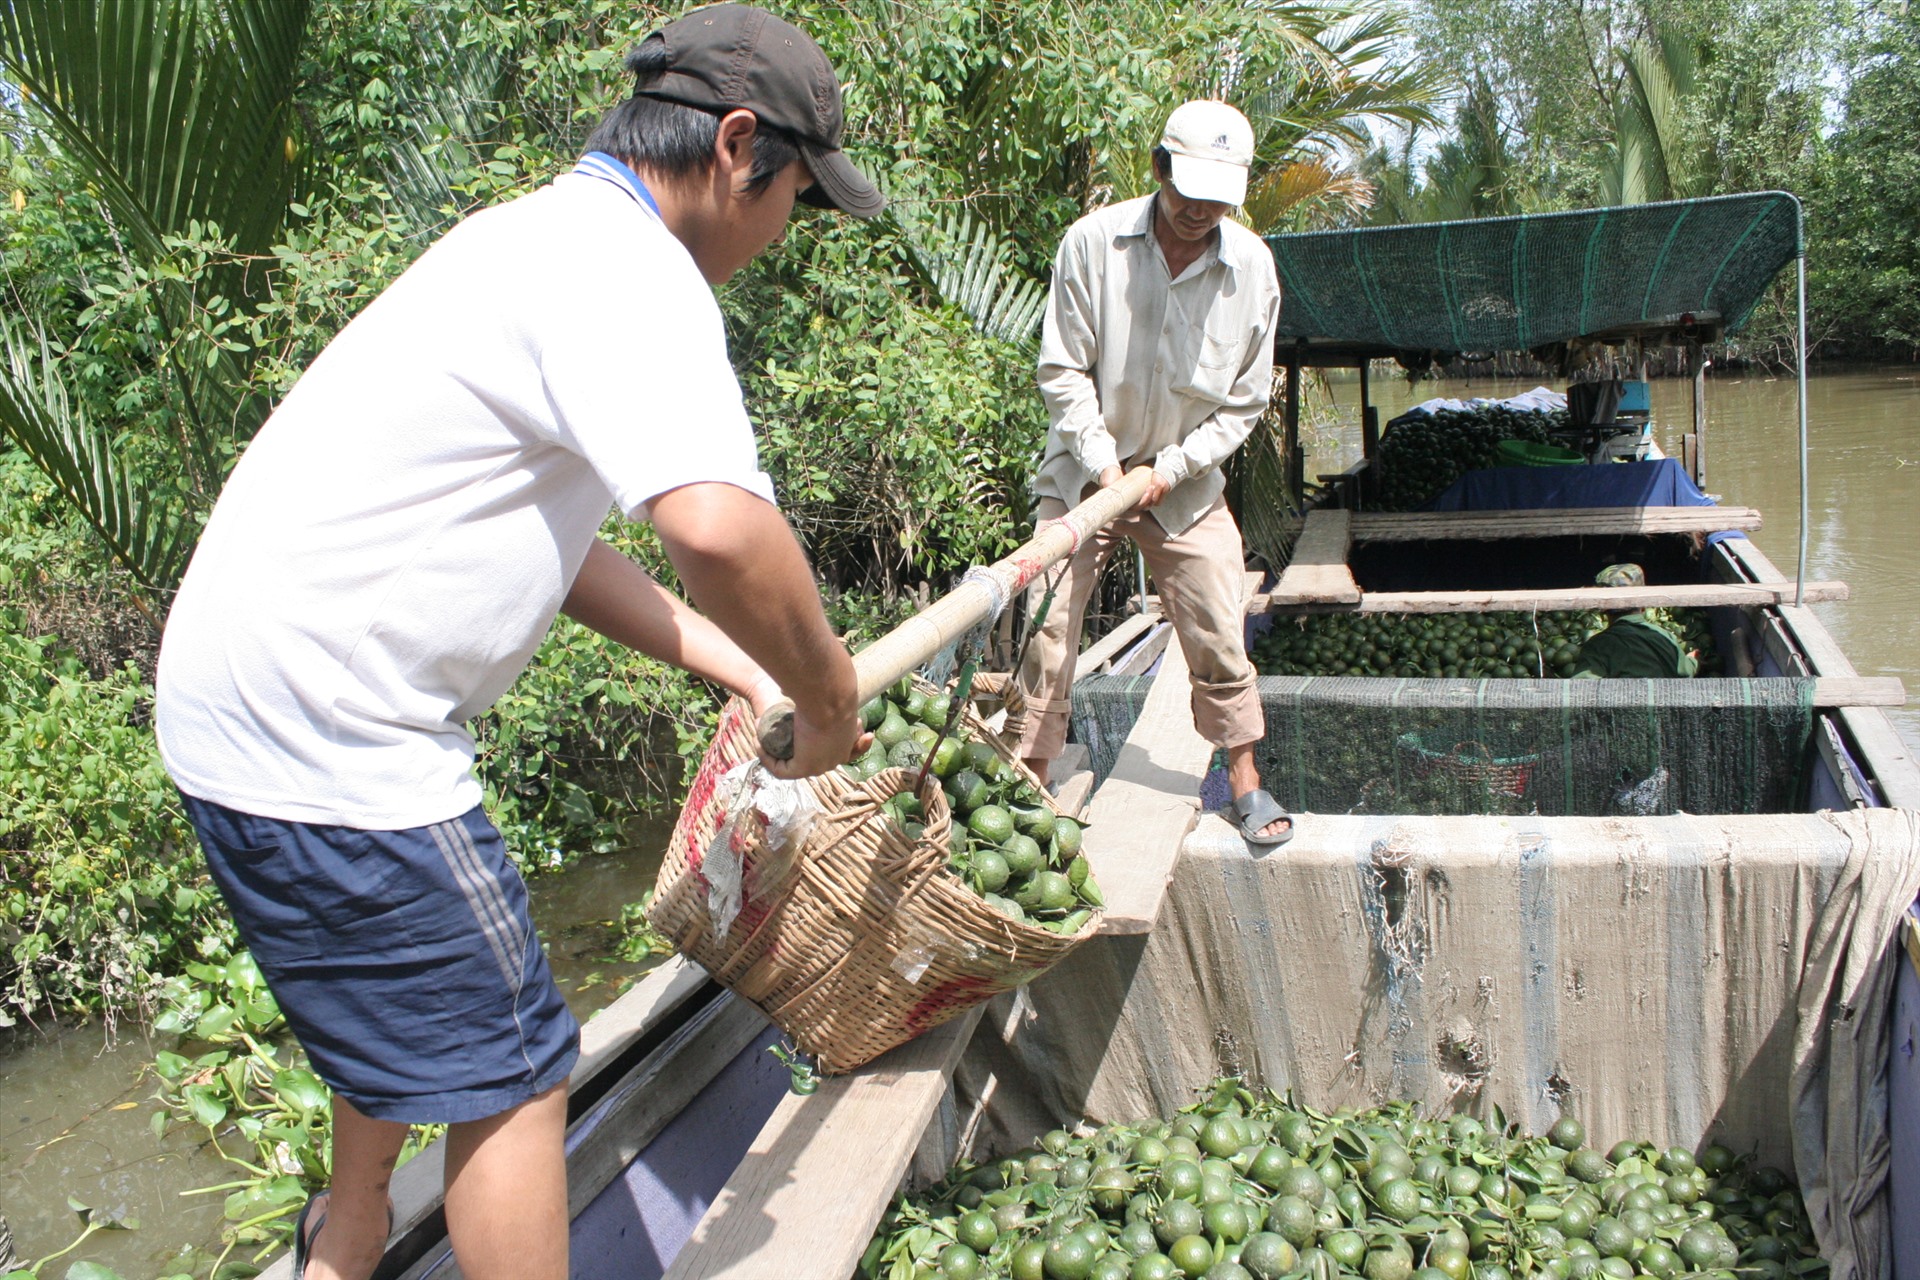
[1044, 735]
[1228, 714]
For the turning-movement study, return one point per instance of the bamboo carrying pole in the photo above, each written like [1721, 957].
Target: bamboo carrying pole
[966, 606]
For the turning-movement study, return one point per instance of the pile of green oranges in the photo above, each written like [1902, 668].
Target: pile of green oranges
[1005, 843]
[1422, 453]
[1473, 645]
[1246, 1186]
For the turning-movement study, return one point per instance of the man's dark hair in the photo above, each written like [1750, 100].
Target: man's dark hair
[1162, 163]
[674, 140]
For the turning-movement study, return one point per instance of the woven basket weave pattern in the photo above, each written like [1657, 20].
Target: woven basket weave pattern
[865, 940]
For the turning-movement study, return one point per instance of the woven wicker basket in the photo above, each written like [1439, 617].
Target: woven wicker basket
[868, 940]
[1474, 763]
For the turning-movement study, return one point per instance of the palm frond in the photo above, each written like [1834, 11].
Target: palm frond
[969, 268]
[1655, 155]
[145, 531]
[447, 108]
[1313, 189]
[180, 110]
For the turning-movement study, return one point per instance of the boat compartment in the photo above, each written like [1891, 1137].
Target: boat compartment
[1578, 748]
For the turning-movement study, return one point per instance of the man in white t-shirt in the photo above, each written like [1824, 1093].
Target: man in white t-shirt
[387, 557]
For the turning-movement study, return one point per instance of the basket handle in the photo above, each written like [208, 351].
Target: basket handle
[1471, 747]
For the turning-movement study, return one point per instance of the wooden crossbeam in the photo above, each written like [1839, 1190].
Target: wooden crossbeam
[1318, 572]
[1415, 526]
[1689, 595]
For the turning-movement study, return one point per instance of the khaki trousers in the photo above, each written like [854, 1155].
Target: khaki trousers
[1201, 580]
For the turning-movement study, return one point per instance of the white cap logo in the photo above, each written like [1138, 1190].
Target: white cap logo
[1210, 149]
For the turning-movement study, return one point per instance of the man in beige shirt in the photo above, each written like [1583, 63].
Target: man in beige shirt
[1158, 350]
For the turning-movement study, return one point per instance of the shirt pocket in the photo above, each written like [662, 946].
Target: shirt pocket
[1211, 365]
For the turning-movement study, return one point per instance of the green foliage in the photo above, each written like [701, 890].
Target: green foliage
[159, 310]
[101, 890]
[588, 737]
[900, 438]
[638, 939]
[1864, 268]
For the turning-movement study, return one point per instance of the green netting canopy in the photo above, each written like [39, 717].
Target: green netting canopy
[1513, 284]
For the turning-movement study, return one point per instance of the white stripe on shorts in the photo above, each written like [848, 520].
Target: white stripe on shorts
[484, 896]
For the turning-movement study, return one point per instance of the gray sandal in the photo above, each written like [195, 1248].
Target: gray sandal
[1253, 812]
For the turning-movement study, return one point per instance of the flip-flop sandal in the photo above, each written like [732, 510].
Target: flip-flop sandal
[1253, 812]
[303, 1239]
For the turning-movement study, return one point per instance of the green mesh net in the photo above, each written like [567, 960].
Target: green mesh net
[1589, 748]
[1511, 284]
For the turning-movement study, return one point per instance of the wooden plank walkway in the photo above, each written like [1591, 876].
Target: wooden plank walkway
[1414, 526]
[1317, 573]
[1148, 803]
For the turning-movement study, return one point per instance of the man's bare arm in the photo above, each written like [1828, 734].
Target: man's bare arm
[620, 600]
[745, 571]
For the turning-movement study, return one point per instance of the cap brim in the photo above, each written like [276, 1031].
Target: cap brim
[1217, 180]
[838, 185]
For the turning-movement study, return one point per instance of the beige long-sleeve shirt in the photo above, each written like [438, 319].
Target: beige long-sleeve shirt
[1139, 368]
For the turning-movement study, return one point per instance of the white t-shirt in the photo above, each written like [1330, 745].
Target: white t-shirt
[398, 538]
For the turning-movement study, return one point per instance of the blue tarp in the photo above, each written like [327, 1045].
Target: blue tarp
[1661, 482]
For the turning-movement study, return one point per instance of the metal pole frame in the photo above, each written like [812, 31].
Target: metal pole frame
[1800, 363]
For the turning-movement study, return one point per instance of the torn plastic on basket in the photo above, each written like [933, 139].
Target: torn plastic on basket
[922, 946]
[786, 810]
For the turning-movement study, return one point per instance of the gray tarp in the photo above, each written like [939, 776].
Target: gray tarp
[1680, 979]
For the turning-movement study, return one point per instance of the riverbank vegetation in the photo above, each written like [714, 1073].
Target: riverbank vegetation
[189, 213]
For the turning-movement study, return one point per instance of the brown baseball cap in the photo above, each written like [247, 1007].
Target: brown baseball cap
[732, 56]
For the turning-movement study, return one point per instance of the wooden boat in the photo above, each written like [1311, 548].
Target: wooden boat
[689, 1157]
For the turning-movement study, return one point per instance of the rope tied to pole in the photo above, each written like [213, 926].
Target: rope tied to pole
[996, 590]
[1073, 531]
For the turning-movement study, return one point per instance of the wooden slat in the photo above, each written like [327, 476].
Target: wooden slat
[1412, 526]
[1103, 650]
[1826, 737]
[1858, 691]
[1884, 754]
[1075, 786]
[1691, 595]
[1148, 803]
[807, 1196]
[607, 1034]
[1318, 572]
[1136, 661]
[1072, 779]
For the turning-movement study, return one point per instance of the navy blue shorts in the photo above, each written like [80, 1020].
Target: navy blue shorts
[404, 961]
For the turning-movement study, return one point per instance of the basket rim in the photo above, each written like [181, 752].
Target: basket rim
[1411, 741]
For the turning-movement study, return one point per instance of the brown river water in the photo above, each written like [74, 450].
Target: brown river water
[76, 1102]
[75, 1107]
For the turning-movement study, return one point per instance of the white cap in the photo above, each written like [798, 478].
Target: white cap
[1210, 146]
